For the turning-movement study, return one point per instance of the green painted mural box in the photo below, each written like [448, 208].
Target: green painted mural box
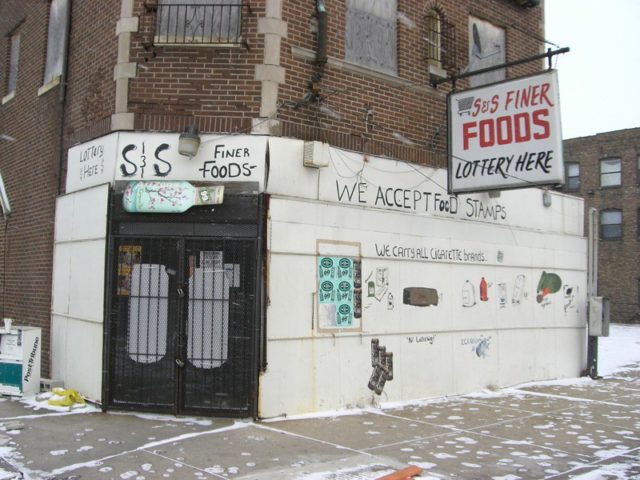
[20, 350]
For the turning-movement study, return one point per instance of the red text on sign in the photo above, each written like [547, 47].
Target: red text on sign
[507, 129]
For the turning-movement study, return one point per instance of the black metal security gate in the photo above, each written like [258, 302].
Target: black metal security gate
[183, 322]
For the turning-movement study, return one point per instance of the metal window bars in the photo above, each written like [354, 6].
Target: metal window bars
[440, 41]
[199, 24]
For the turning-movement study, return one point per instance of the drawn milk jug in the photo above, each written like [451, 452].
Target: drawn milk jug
[468, 294]
[518, 288]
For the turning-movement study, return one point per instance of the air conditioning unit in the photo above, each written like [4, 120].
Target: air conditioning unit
[316, 154]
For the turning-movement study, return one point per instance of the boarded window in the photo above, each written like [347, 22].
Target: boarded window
[56, 39]
[486, 49]
[371, 34]
[14, 56]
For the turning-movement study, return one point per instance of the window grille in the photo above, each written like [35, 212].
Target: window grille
[440, 41]
[199, 22]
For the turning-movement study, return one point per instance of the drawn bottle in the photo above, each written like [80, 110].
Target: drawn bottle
[168, 197]
[483, 290]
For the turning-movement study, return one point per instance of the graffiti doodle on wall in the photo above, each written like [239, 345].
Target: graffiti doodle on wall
[570, 294]
[378, 287]
[425, 339]
[519, 292]
[382, 363]
[479, 345]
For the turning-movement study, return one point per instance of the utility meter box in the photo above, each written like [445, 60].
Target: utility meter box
[599, 317]
[20, 350]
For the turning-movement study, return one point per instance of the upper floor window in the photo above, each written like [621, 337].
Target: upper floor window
[611, 224]
[199, 22]
[370, 34]
[572, 176]
[56, 38]
[610, 172]
[486, 49]
[434, 37]
[14, 61]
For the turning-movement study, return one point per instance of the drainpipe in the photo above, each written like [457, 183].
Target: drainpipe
[321, 50]
[62, 94]
[592, 289]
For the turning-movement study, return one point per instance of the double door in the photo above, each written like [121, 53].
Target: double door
[182, 325]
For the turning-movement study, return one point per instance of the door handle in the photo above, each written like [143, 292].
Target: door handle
[180, 292]
[179, 362]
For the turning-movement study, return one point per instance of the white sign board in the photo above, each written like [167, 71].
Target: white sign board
[155, 156]
[92, 163]
[506, 135]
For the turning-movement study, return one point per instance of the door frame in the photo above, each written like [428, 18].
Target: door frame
[241, 217]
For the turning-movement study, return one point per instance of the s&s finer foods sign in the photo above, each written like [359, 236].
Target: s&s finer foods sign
[506, 135]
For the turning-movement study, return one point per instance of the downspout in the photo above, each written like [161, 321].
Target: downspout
[592, 290]
[62, 93]
[321, 49]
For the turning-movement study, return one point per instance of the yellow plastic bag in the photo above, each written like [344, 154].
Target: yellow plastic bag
[65, 398]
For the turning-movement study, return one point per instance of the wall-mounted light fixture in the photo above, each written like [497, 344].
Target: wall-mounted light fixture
[546, 198]
[189, 141]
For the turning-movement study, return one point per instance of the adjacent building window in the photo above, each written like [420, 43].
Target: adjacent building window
[56, 38]
[14, 61]
[370, 34]
[611, 224]
[610, 172]
[638, 169]
[572, 176]
[198, 22]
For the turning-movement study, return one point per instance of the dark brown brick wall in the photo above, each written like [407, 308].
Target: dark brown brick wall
[30, 168]
[417, 114]
[618, 260]
[178, 85]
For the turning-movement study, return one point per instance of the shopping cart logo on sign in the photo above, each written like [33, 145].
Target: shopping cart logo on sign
[464, 105]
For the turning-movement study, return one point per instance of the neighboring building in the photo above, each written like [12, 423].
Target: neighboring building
[281, 298]
[604, 169]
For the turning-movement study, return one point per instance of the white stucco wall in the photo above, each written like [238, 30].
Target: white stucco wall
[78, 290]
[435, 347]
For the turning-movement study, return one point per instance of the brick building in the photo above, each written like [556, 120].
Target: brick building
[604, 169]
[80, 80]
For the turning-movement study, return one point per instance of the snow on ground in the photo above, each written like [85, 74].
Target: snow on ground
[619, 350]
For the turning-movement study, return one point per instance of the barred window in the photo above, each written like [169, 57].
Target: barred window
[198, 22]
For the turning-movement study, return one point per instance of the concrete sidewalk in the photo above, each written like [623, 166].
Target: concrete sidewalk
[582, 427]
